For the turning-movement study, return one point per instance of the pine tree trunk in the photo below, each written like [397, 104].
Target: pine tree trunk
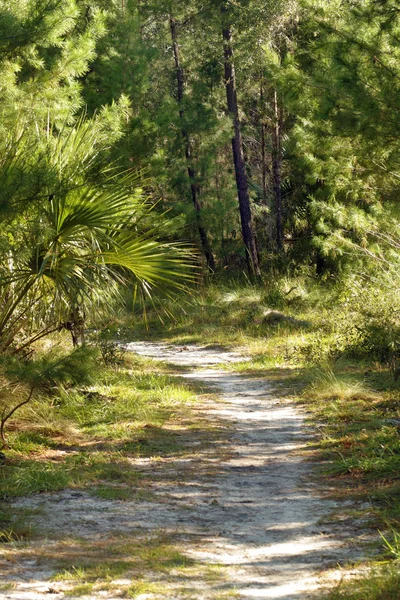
[194, 187]
[264, 166]
[238, 154]
[277, 171]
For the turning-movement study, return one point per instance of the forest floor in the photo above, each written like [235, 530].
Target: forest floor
[238, 512]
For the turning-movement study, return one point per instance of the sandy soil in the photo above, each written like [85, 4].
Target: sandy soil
[263, 516]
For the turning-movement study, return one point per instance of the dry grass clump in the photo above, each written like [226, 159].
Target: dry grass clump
[328, 385]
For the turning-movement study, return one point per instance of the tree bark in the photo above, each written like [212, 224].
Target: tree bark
[194, 186]
[264, 166]
[237, 149]
[277, 170]
[5, 416]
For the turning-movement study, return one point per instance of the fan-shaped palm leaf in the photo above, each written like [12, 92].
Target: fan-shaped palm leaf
[83, 240]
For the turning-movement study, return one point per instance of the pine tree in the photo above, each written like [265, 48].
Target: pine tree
[237, 148]
[43, 54]
[194, 186]
[339, 81]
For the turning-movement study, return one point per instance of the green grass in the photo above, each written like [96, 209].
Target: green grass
[80, 470]
[130, 565]
[138, 588]
[102, 570]
[125, 414]
[224, 316]
[79, 590]
[358, 432]
[379, 584]
[361, 447]
[86, 437]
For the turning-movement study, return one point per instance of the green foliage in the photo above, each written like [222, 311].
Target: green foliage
[334, 73]
[369, 326]
[81, 244]
[45, 48]
[392, 545]
[22, 380]
[111, 353]
[32, 477]
[51, 370]
[77, 225]
[338, 76]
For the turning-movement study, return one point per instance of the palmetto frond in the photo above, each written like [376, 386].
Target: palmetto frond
[82, 242]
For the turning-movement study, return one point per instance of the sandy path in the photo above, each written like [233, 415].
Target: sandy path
[266, 518]
[262, 516]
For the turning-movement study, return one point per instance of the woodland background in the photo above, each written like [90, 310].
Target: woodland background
[229, 170]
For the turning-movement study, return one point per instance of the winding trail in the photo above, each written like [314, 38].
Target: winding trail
[260, 515]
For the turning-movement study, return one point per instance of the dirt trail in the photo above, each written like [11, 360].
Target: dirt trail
[263, 517]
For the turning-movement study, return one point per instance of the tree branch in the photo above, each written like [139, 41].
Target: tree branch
[5, 417]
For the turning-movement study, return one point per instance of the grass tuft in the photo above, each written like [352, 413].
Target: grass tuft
[378, 584]
[329, 385]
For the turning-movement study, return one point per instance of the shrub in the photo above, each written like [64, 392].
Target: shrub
[23, 380]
